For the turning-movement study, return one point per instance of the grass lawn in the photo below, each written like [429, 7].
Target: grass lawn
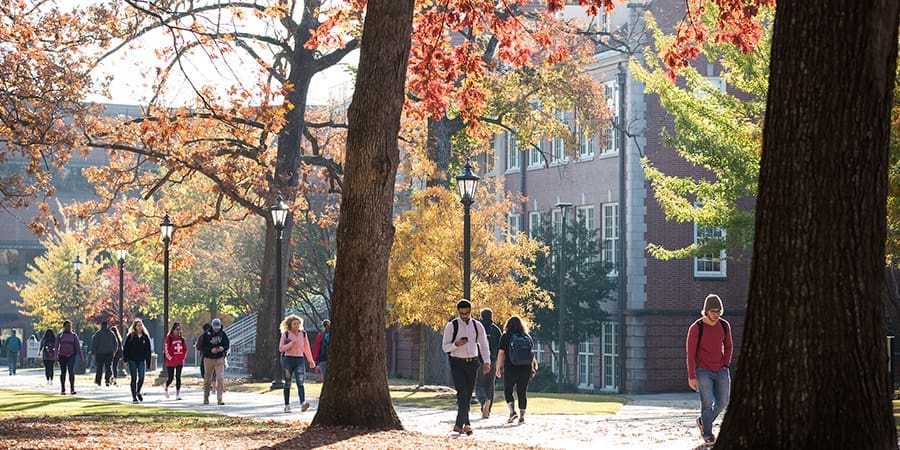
[897, 415]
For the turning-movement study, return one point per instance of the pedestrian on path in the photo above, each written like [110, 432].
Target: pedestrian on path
[103, 347]
[463, 337]
[294, 347]
[137, 355]
[174, 350]
[68, 350]
[13, 345]
[214, 346]
[118, 355]
[709, 348]
[484, 384]
[48, 354]
[320, 348]
[516, 362]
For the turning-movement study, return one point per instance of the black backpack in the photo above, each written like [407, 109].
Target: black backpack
[455, 322]
[520, 349]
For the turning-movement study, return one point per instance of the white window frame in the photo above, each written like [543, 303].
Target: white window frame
[709, 266]
[610, 236]
[513, 224]
[611, 89]
[558, 144]
[585, 146]
[539, 352]
[609, 376]
[535, 160]
[585, 364]
[584, 215]
[554, 359]
[534, 217]
[513, 154]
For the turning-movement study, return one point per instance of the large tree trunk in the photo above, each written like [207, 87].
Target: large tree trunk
[813, 367]
[356, 389]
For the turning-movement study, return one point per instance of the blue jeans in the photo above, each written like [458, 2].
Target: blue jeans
[294, 367]
[13, 360]
[715, 390]
[137, 370]
[322, 366]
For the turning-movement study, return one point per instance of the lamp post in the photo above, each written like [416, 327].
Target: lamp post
[121, 253]
[279, 215]
[467, 181]
[77, 265]
[562, 297]
[166, 228]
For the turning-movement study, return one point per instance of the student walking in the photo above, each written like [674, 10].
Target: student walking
[320, 348]
[137, 355]
[463, 337]
[68, 350]
[516, 362]
[117, 355]
[709, 348]
[484, 384]
[48, 354]
[294, 347]
[13, 347]
[214, 346]
[175, 350]
[103, 347]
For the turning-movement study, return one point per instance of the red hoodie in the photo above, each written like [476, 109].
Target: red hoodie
[175, 350]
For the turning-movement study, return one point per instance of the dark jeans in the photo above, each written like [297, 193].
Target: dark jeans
[176, 373]
[48, 369]
[294, 367]
[104, 366]
[516, 377]
[484, 385]
[463, 373]
[137, 370]
[67, 363]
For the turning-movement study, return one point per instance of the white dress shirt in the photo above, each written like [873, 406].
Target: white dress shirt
[469, 349]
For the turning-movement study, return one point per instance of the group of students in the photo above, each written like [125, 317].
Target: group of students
[510, 357]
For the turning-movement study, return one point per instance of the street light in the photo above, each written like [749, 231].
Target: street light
[166, 228]
[562, 297]
[279, 215]
[467, 181]
[121, 253]
[77, 265]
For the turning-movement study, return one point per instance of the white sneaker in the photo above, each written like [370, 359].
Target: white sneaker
[287, 408]
[177, 395]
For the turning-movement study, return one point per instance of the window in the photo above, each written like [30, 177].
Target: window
[611, 236]
[557, 217]
[585, 217]
[512, 152]
[534, 223]
[558, 144]
[612, 101]
[585, 146]
[610, 356]
[585, 361]
[539, 352]
[709, 265]
[514, 224]
[554, 359]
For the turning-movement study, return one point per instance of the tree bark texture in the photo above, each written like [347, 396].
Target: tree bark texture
[356, 389]
[813, 372]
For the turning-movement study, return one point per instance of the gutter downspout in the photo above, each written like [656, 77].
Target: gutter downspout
[622, 275]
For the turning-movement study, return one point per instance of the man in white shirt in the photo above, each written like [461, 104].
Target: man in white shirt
[462, 337]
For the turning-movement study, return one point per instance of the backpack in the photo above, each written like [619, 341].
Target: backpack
[455, 322]
[323, 347]
[520, 350]
[699, 323]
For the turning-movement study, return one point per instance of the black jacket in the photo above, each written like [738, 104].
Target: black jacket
[104, 342]
[211, 340]
[137, 348]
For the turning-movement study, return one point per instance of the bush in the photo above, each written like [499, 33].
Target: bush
[545, 381]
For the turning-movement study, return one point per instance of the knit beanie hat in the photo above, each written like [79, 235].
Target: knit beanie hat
[712, 302]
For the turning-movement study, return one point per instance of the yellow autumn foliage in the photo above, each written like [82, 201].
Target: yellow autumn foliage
[426, 266]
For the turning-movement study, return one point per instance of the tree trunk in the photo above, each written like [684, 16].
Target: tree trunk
[813, 367]
[356, 391]
[440, 133]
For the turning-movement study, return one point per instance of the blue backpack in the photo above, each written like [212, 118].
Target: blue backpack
[520, 350]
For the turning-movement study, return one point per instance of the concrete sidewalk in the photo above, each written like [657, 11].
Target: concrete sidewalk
[664, 421]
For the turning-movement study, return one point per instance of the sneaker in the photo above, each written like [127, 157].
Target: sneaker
[457, 429]
[467, 429]
[140, 397]
[287, 408]
[700, 427]
[221, 402]
[167, 392]
[206, 401]
[304, 407]
[512, 418]
[521, 420]
[72, 392]
[62, 392]
[177, 395]
[709, 440]
[134, 401]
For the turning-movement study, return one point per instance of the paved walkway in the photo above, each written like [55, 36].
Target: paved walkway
[663, 421]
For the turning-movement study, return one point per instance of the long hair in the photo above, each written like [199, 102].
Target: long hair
[131, 329]
[515, 324]
[174, 326]
[49, 336]
[286, 323]
[115, 331]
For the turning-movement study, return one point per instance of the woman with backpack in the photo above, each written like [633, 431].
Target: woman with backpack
[48, 354]
[68, 350]
[175, 350]
[516, 362]
[294, 348]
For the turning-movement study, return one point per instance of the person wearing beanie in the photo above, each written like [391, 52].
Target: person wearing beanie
[214, 347]
[464, 338]
[484, 384]
[709, 348]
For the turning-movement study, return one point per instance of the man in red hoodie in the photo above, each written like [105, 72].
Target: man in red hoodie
[709, 348]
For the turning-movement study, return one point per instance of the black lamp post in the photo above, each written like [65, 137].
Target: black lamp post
[166, 228]
[562, 297]
[77, 265]
[121, 253]
[279, 215]
[467, 181]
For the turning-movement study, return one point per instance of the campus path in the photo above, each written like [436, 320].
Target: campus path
[663, 421]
